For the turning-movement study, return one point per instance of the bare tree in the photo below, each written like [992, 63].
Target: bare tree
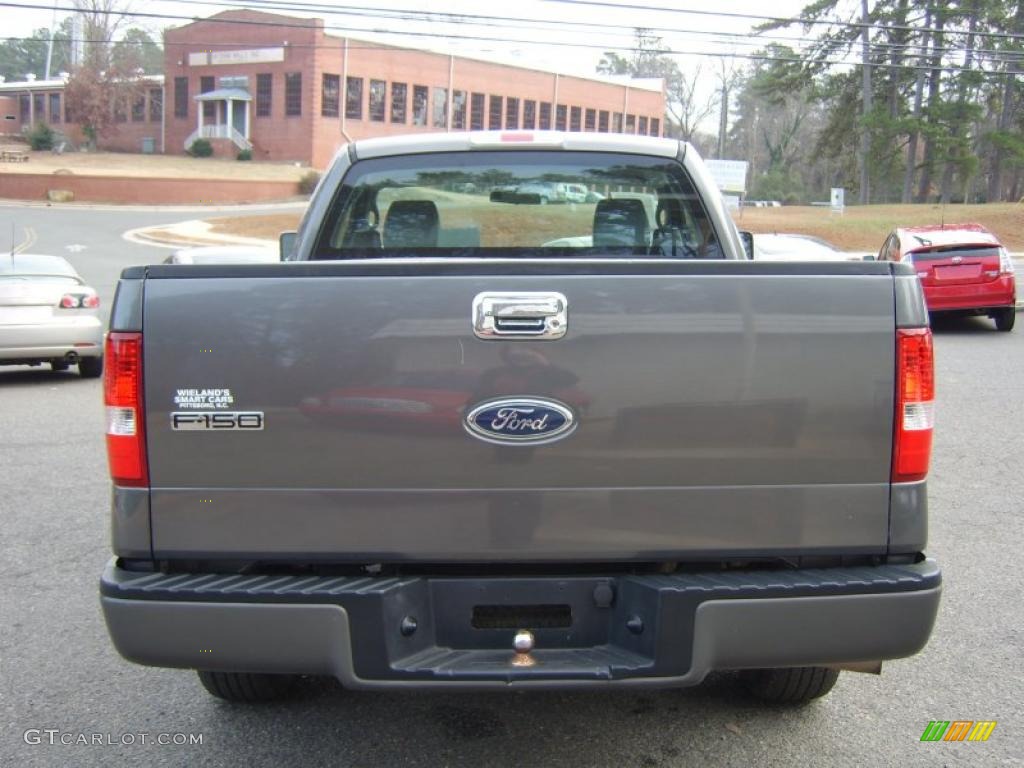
[685, 107]
[102, 87]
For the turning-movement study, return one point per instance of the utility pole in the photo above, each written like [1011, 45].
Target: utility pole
[723, 119]
[49, 43]
[865, 136]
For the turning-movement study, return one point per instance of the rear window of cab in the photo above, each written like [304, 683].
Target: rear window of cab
[531, 204]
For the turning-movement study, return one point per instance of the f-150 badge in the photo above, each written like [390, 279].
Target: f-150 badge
[520, 421]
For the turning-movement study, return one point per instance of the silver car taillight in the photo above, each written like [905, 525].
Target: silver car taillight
[79, 301]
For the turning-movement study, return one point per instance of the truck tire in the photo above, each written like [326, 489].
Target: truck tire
[90, 367]
[794, 685]
[59, 364]
[246, 687]
[1005, 318]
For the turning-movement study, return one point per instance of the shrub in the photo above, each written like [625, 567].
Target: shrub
[201, 148]
[308, 182]
[41, 136]
[245, 154]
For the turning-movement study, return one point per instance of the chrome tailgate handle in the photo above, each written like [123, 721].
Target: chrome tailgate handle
[540, 315]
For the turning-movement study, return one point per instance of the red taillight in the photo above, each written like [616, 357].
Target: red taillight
[915, 405]
[122, 395]
[90, 302]
[69, 301]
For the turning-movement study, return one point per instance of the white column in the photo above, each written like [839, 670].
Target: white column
[199, 110]
[231, 115]
[248, 120]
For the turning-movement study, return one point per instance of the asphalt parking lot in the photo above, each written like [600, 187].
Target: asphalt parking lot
[59, 674]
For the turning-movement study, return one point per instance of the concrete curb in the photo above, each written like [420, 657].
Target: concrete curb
[188, 234]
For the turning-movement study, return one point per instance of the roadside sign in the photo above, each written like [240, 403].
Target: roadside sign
[838, 199]
[729, 175]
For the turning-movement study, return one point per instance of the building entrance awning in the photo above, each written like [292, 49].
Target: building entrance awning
[225, 94]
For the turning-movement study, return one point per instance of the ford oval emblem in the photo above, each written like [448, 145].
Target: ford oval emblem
[520, 421]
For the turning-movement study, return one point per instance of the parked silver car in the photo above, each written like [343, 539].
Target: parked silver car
[224, 254]
[48, 315]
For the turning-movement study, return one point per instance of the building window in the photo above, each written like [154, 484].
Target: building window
[120, 109]
[353, 96]
[494, 117]
[655, 127]
[545, 116]
[590, 120]
[643, 126]
[39, 107]
[181, 97]
[476, 112]
[420, 97]
[459, 110]
[512, 113]
[54, 107]
[378, 100]
[207, 84]
[399, 99]
[264, 94]
[561, 114]
[293, 94]
[575, 118]
[529, 114]
[25, 108]
[156, 105]
[139, 109]
[616, 122]
[330, 96]
[602, 121]
[630, 123]
[440, 107]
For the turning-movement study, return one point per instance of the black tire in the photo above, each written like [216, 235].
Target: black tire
[1005, 318]
[795, 685]
[246, 687]
[58, 365]
[90, 367]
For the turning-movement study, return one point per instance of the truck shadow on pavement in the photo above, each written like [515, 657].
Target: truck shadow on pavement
[542, 728]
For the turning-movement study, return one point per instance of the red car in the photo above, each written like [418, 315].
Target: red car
[962, 267]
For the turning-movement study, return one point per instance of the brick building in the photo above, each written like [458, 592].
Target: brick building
[285, 89]
[138, 121]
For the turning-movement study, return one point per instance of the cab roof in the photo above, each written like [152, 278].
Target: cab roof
[463, 141]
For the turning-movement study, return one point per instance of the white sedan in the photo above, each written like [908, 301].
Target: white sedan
[48, 315]
[792, 247]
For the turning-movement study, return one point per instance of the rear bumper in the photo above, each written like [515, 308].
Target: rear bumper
[625, 630]
[82, 335]
[999, 293]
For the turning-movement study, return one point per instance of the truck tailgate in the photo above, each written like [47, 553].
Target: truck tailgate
[723, 409]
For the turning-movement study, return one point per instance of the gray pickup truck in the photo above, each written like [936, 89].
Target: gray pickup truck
[460, 438]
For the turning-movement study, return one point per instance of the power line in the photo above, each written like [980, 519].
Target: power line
[340, 46]
[483, 38]
[788, 21]
[738, 38]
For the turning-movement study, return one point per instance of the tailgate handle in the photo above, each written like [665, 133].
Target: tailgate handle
[539, 315]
